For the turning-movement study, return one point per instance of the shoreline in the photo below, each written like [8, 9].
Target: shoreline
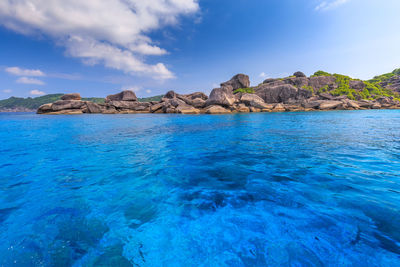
[294, 93]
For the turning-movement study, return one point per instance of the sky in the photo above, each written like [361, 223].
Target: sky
[99, 48]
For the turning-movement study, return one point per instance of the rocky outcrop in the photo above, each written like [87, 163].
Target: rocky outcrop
[281, 93]
[299, 74]
[68, 107]
[324, 105]
[74, 96]
[294, 93]
[392, 83]
[238, 81]
[221, 96]
[123, 96]
[215, 109]
[253, 100]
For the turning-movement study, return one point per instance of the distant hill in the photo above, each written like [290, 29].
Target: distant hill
[32, 104]
[152, 98]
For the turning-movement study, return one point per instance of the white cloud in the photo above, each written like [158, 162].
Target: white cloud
[24, 72]
[148, 91]
[327, 5]
[26, 80]
[263, 75]
[131, 88]
[37, 92]
[113, 33]
[7, 91]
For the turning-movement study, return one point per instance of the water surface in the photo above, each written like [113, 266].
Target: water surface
[279, 189]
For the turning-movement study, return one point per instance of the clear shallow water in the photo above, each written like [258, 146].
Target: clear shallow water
[282, 189]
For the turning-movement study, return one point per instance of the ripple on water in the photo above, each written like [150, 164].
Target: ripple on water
[287, 189]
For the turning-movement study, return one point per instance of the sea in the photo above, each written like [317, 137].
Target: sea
[262, 189]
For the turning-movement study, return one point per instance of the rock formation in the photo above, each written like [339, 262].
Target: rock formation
[294, 93]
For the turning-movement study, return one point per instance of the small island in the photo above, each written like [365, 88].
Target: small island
[321, 91]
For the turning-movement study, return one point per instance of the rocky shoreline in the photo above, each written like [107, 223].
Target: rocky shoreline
[294, 93]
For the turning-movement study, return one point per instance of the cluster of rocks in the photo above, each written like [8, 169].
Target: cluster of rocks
[392, 83]
[295, 93]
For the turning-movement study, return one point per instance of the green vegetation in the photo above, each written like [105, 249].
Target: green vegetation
[371, 91]
[385, 77]
[375, 90]
[323, 89]
[30, 103]
[309, 88]
[343, 88]
[244, 90]
[321, 73]
[149, 99]
[36, 102]
[97, 100]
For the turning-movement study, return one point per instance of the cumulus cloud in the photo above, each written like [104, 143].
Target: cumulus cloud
[24, 72]
[37, 92]
[263, 75]
[113, 33]
[148, 91]
[26, 80]
[327, 5]
[7, 91]
[131, 88]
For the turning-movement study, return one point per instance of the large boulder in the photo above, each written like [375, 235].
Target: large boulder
[46, 108]
[365, 103]
[242, 108]
[123, 104]
[326, 96]
[170, 94]
[329, 104]
[67, 104]
[73, 96]
[66, 112]
[93, 107]
[142, 107]
[353, 104]
[318, 82]
[299, 82]
[311, 104]
[281, 93]
[216, 110]
[126, 95]
[197, 100]
[156, 107]
[279, 108]
[253, 100]
[221, 96]
[196, 95]
[299, 74]
[238, 81]
[186, 109]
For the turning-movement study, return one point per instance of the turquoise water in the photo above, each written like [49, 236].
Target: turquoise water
[279, 189]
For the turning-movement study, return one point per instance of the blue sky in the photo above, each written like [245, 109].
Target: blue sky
[99, 48]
